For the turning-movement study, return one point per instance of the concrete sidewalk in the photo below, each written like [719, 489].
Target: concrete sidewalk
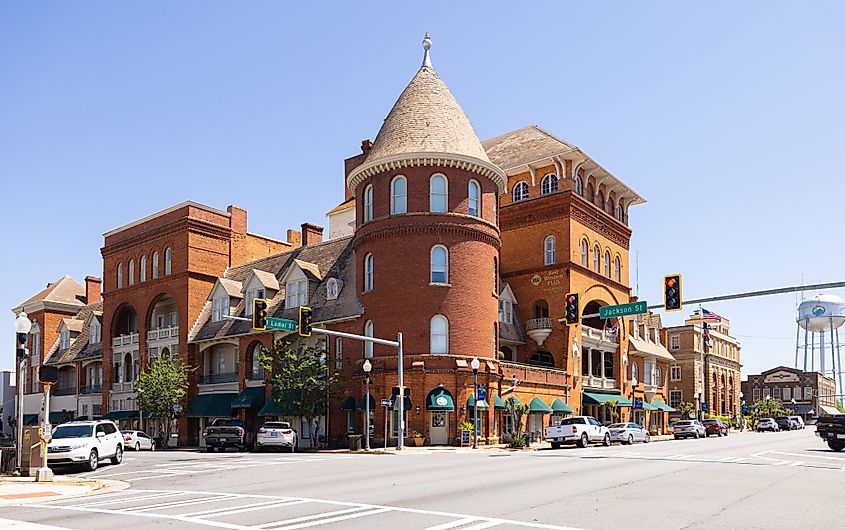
[14, 490]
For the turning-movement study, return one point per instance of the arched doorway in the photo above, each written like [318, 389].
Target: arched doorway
[439, 404]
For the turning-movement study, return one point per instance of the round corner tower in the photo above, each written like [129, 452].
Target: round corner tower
[427, 241]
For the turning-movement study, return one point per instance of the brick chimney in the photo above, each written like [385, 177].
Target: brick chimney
[354, 161]
[92, 289]
[294, 237]
[237, 221]
[311, 234]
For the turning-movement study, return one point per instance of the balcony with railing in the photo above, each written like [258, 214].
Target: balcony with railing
[124, 340]
[214, 379]
[539, 329]
[91, 389]
[257, 374]
[163, 334]
[594, 381]
[597, 335]
[123, 386]
[64, 391]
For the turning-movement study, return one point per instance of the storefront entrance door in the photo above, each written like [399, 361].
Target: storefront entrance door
[438, 430]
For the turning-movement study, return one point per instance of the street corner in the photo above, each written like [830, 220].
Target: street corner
[22, 490]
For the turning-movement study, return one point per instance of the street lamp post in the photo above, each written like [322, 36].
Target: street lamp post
[475, 364]
[22, 327]
[367, 367]
[698, 405]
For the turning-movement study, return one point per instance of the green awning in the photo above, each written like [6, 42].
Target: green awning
[406, 403]
[504, 401]
[271, 408]
[538, 406]
[661, 405]
[362, 405]
[498, 403]
[593, 398]
[212, 406]
[482, 404]
[61, 417]
[122, 415]
[250, 398]
[560, 407]
[348, 404]
[30, 419]
[648, 406]
[439, 399]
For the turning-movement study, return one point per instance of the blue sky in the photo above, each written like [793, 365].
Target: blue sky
[726, 116]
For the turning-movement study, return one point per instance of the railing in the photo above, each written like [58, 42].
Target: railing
[211, 379]
[65, 391]
[257, 375]
[124, 340]
[599, 335]
[91, 389]
[538, 323]
[163, 333]
[599, 382]
[127, 386]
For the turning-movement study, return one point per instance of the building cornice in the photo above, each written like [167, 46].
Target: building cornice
[428, 159]
[392, 230]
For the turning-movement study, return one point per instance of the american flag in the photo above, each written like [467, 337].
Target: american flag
[709, 314]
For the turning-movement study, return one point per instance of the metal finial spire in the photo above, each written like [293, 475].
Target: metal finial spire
[427, 46]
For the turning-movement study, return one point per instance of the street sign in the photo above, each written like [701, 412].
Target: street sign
[705, 407]
[281, 324]
[385, 402]
[638, 403]
[621, 310]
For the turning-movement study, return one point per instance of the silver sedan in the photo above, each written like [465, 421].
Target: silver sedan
[628, 433]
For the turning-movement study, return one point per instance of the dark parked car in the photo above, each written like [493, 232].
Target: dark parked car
[831, 429]
[714, 426]
[227, 432]
[785, 423]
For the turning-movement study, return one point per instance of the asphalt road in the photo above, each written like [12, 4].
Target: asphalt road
[746, 480]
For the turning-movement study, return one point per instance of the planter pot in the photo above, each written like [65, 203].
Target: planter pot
[419, 442]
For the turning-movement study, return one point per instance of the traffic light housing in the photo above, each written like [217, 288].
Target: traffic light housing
[48, 374]
[672, 300]
[259, 314]
[305, 317]
[572, 309]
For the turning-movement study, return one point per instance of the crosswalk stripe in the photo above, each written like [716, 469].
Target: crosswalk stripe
[262, 503]
[453, 524]
[175, 504]
[334, 519]
[132, 499]
[485, 524]
[284, 524]
[254, 508]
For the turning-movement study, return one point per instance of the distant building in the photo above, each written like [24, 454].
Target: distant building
[7, 399]
[812, 392]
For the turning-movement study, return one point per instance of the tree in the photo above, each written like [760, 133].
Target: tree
[301, 382]
[839, 406]
[161, 389]
[612, 408]
[767, 407]
[686, 409]
[517, 411]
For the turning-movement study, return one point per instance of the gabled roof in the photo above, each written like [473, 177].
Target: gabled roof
[311, 270]
[233, 289]
[72, 324]
[65, 291]
[523, 146]
[267, 279]
[345, 205]
[79, 348]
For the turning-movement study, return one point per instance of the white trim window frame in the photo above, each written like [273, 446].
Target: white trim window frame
[676, 397]
[585, 253]
[675, 373]
[168, 261]
[368, 203]
[439, 270]
[474, 198]
[369, 272]
[438, 193]
[674, 342]
[398, 195]
[296, 292]
[369, 331]
[439, 334]
[550, 250]
[520, 191]
[549, 184]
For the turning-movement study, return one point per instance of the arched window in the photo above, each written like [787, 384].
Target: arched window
[155, 265]
[131, 272]
[368, 203]
[257, 370]
[119, 275]
[589, 194]
[659, 381]
[549, 184]
[143, 268]
[332, 289]
[596, 258]
[520, 191]
[368, 272]
[579, 188]
[585, 253]
[549, 246]
[439, 334]
[600, 200]
[607, 263]
[399, 195]
[620, 212]
[438, 194]
[168, 261]
[617, 269]
[495, 276]
[541, 309]
[368, 346]
[634, 373]
[474, 198]
[439, 264]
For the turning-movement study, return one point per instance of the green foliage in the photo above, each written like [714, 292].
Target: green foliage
[465, 426]
[517, 410]
[418, 434]
[768, 407]
[686, 409]
[839, 406]
[162, 385]
[302, 383]
[612, 408]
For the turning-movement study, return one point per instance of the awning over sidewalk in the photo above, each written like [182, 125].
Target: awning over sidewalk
[30, 419]
[271, 408]
[538, 406]
[250, 398]
[804, 409]
[831, 411]
[61, 417]
[661, 405]
[648, 406]
[560, 407]
[482, 404]
[362, 405]
[212, 405]
[646, 347]
[498, 403]
[122, 415]
[439, 400]
[594, 398]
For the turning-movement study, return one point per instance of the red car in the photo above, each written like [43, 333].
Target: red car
[715, 426]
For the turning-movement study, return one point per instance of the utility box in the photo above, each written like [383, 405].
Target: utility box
[31, 451]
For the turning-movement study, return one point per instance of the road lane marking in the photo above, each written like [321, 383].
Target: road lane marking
[133, 499]
[244, 507]
[334, 519]
[281, 524]
[453, 524]
[480, 526]
[176, 504]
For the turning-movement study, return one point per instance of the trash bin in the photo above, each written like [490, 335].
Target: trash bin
[355, 441]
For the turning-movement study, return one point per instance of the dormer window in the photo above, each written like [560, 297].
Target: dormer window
[332, 289]
[220, 307]
[251, 295]
[505, 311]
[95, 332]
[64, 339]
[296, 293]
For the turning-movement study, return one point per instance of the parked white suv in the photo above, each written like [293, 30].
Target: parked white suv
[579, 430]
[85, 443]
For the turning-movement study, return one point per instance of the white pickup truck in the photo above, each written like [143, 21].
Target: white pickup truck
[579, 430]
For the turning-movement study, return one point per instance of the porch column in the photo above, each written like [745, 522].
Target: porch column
[590, 368]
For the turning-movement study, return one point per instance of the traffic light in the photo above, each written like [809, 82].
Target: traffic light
[572, 309]
[305, 315]
[672, 292]
[48, 374]
[259, 314]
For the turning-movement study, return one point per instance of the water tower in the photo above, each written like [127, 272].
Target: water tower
[821, 317]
